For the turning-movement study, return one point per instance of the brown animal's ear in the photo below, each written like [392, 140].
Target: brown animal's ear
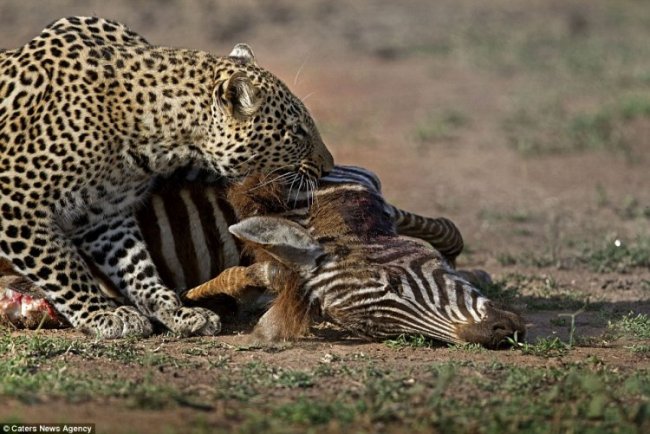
[237, 96]
[285, 240]
[243, 54]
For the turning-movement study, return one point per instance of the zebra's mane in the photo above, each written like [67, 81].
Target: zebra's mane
[353, 210]
[344, 207]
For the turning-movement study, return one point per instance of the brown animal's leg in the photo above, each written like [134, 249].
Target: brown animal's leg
[234, 280]
[286, 319]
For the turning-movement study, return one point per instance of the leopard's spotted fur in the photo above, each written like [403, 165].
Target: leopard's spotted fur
[90, 113]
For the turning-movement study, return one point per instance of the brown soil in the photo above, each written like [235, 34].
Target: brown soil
[370, 94]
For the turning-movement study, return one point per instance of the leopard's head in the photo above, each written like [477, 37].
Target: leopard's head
[259, 126]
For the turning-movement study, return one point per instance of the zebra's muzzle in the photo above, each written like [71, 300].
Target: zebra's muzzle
[496, 330]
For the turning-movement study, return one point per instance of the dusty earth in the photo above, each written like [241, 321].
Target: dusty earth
[513, 120]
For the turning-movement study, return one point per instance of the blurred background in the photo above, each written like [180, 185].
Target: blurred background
[527, 123]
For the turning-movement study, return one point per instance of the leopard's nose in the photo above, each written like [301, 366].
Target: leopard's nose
[327, 164]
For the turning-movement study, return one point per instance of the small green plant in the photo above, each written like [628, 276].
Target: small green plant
[634, 325]
[295, 379]
[467, 347]
[572, 326]
[315, 412]
[410, 341]
[598, 130]
[543, 347]
[634, 107]
[640, 349]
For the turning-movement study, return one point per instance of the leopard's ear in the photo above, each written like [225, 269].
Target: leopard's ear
[237, 96]
[243, 54]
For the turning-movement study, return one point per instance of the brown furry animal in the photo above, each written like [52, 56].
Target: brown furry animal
[345, 262]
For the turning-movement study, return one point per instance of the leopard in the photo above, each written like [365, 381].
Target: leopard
[91, 114]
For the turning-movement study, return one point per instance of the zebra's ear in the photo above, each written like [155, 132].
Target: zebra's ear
[285, 240]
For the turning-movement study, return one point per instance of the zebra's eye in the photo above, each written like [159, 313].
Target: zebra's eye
[395, 284]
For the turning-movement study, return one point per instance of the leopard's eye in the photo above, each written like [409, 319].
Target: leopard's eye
[299, 130]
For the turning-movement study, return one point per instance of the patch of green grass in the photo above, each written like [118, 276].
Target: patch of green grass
[545, 347]
[469, 348]
[634, 107]
[640, 349]
[37, 346]
[617, 255]
[545, 129]
[356, 393]
[248, 381]
[630, 208]
[411, 341]
[314, 412]
[613, 255]
[599, 130]
[442, 126]
[506, 259]
[536, 292]
[632, 325]
[123, 351]
[295, 379]
[35, 366]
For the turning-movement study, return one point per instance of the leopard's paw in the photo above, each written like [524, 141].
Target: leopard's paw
[194, 321]
[120, 322]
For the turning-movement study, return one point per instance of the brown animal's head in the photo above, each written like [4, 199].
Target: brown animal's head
[381, 288]
[356, 271]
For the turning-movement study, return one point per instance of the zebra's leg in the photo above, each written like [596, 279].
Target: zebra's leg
[440, 232]
[234, 281]
[116, 246]
[287, 318]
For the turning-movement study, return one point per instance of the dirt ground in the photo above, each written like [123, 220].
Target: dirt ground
[524, 123]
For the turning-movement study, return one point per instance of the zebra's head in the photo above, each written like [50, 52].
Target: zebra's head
[382, 288]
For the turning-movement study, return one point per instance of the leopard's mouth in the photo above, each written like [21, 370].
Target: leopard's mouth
[310, 170]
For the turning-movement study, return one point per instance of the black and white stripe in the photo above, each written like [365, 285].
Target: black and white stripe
[411, 289]
[185, 223]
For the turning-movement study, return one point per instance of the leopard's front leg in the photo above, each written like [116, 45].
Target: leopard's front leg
[118, 249]
[40, 251]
